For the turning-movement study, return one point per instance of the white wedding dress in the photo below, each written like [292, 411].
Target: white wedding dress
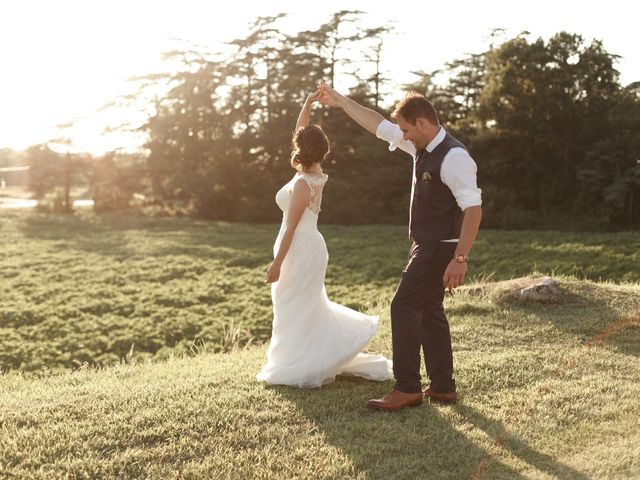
[314, 339]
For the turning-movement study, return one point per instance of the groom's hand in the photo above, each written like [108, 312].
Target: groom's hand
[454, 274]
[327, 95]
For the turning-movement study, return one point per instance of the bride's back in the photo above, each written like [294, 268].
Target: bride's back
[316, 182]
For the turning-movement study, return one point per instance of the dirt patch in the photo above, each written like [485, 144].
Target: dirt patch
[537, 289]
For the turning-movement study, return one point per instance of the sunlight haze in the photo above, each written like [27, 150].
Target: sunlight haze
[64, 60]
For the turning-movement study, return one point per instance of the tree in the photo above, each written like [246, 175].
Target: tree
[113, 180]
[609, 175]
[45, 172]
[54, 172]
[537, 114]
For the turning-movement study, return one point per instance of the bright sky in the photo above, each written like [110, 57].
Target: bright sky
[62, 60]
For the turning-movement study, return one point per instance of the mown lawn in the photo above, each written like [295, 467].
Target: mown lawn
[549, 391]
[97, 289]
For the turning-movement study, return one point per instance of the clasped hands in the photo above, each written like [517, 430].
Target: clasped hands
[324, 94]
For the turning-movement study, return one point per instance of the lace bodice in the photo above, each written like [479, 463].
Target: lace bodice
[316, 183]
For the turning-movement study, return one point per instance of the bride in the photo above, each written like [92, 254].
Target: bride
[313, 339]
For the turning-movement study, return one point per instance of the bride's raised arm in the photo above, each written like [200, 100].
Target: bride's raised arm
[303, 118]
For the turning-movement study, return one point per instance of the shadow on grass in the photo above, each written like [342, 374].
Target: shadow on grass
[412, 443]
[415, 442]
[113, 236]
[587, 312]
[515, 446]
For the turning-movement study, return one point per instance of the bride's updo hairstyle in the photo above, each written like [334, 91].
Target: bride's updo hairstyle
[310, 145]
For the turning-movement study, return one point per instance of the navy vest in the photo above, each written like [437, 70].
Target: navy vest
[434, 213]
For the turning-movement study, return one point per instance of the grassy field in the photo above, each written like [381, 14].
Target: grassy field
[100, 289]
[548, 392]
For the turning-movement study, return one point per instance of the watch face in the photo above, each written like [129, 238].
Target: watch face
[460, 259]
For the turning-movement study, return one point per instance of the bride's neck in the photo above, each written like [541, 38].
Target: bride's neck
[314, 169]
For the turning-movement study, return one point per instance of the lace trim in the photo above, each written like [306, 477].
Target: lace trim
[312, 178]
[316, 184]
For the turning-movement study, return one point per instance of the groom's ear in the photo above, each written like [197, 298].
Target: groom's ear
[423, 123]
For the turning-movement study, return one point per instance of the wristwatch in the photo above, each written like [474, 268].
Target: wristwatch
[461, 258]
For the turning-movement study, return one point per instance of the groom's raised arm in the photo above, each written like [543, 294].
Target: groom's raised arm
[363, 116]
[367, 118]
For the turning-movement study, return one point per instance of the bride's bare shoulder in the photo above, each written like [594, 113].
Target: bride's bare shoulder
[301, 186]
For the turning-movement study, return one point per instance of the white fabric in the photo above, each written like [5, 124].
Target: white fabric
[316, 185]
[314, 339]
[458, 170]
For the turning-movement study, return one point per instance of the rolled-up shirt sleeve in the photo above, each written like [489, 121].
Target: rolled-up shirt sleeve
[390, 132]
[459, 173]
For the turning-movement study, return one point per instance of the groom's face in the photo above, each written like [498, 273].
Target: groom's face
[414, 133]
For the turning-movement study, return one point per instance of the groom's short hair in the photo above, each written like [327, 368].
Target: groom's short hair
[415, 105]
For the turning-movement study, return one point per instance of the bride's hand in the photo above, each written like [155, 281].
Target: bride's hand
[273, 273]
[327, 95]
[314, 97]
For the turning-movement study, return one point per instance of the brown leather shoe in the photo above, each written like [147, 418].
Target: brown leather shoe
[396, 400]
[434, 396]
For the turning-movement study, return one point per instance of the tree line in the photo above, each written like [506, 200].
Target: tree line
[555, 134]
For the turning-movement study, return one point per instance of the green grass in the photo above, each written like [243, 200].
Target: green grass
[548, 390]
[540, 399]
[97, 289]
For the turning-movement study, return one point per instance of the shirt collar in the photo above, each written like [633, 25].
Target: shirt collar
[436, 140]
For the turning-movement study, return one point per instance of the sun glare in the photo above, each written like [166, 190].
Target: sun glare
[65, 60]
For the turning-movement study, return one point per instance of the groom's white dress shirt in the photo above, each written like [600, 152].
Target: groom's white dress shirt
[458, 170]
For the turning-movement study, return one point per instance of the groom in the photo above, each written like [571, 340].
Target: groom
[444, 217]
